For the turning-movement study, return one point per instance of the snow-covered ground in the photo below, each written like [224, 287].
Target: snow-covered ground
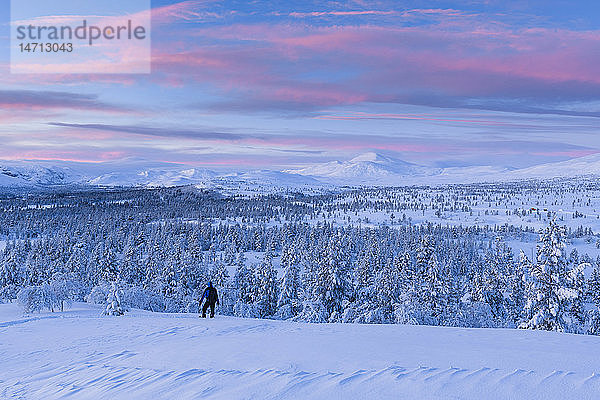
[368, 169]
[79, 354]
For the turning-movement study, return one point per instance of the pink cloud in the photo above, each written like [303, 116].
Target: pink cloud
[79, 155]
[455, 54]
[430, 12]
[190, 11]
[379, 63]
[341, 13]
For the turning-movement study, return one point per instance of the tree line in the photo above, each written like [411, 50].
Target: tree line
[157, 249]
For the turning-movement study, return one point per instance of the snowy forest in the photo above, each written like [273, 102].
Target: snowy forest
[398, 255]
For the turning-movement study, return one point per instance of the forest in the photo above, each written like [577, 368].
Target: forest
[348, 256]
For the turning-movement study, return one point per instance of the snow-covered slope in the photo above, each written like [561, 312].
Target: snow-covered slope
[79, 354]
[375, 169]
[30, 174]
[267, 177]
[141, 173]
[588, 165]
[153, 177]
[123, 173]
[369, 167]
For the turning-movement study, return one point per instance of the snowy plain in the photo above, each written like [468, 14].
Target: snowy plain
[79, 354]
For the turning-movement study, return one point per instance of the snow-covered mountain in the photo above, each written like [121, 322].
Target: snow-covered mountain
[145, 174]
[20, 173]
[376, 169]
[588, 165]
[366, 168]
[127, 173]
[153, 177]
[371, 169]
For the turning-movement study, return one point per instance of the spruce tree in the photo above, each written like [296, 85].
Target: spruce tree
[113, 301]
[288, 302]
[266, 287]
[553, 288]
[593, 294]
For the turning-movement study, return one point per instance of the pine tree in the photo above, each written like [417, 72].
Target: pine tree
[333, 279]
[517, 290]
[424, 254]
[77, 261]
[9, 277]
[219, 275]
[434, 293]
[593, 286]
[488, 285]
[244, 284]
[288, 302]
[110, 267]
[553, 288]
[113, 301]
[169, 275]
[593, 294]
[266, 287]
[131, 266]
[229, 255]
[364, 291]
[389, 282]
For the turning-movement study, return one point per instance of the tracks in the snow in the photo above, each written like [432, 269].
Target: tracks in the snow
[82, 356]
[102, 376]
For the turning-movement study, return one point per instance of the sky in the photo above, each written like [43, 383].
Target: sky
[265, 84]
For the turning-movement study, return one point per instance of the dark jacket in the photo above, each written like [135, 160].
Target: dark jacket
[210, 294]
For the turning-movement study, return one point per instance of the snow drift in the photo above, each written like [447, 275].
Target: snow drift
[80, 354]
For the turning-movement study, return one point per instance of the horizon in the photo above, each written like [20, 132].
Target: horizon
[381, 159]
[262, 86]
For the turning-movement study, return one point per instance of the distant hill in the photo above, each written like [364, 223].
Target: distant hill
[368, 169]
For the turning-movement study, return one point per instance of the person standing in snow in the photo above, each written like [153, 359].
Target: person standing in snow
[210, 294]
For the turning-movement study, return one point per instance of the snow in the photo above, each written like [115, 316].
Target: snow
[80, 354]
[374, 169]
[368, 169]
[153, 177]
[588, 165]
[22, 174]
[365, 169]
[139, 173]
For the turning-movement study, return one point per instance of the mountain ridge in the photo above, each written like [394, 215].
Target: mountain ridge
[366, 169]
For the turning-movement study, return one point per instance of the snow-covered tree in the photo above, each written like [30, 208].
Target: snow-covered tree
[489, 282]
[110, 266]
[517, 286]
[332, 279]
[266, 287]
[553, 288]
[64, 288]
[593, 293]
[9, 277]
[288, 302]
[31, 299]
[219, 275]
[244, 284]
[434, 293]
[113, 301]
